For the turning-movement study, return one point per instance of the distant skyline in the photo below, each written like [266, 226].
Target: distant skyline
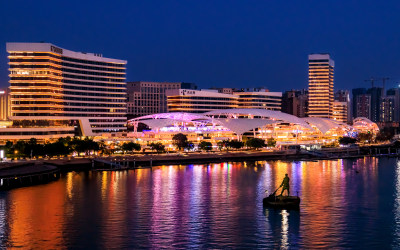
[218, 43]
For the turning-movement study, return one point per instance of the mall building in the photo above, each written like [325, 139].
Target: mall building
[56, 92]
[228, 124]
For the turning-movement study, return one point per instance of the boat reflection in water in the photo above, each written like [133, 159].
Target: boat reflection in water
[285, 227]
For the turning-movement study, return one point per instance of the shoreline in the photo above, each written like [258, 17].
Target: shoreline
[133, 161]
[33, 172]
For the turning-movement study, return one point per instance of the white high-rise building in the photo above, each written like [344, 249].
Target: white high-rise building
[57, 92]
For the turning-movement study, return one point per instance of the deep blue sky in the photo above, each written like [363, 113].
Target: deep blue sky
[218, 43]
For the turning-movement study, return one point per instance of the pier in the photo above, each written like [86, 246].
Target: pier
[26, 175]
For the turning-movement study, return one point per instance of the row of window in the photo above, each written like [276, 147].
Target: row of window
[35, 96]
[35, 90]
[83, 99]
[36, 78]
[35, 103]
[107, 120]
[36, 108]
[38, 133]
[94, 105]
[174, 103]
[93, 89]
[96, 110]
[95, 83]
[93, 78]
[261, 97]
[107, 130]
[107, 125]
[38, 84]
[92, 73]
[123, 95]
[259, 100]
[39, 96]
[69, 114]
[201, 98]
[91, 67]
[197, 107]
[33, 66]
[31, 60]
[33, 72]
[259, 105]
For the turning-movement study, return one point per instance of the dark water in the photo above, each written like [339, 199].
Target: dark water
[210, 206]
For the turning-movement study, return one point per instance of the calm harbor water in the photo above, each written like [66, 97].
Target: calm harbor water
[210, 206]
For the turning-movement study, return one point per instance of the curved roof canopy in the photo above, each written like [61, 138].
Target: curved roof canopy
[181, 116]
[364, 123]
[239, 121]
[325, 124]
[240, 126]
[277, 116]
[167, 119]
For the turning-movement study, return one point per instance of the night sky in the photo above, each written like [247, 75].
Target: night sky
[218, 43]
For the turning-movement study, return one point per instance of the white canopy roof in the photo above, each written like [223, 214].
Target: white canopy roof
[240, 126]
[269, 114]
[364, 123]
[229, 118]
[325, 124]
[158, 123]
[180, 116]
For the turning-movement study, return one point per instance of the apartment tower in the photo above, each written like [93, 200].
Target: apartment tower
[320, 85]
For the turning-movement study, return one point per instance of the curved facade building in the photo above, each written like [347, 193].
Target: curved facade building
[71, 93]
[223, 124]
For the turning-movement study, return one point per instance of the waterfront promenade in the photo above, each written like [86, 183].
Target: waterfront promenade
[149, 160]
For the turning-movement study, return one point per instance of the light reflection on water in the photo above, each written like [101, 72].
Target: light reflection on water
[345, 203]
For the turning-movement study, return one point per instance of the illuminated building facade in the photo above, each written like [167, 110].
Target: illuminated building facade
[393, 96]
[260, 100]
[387, 110]
[224, 90]
[57, 92]
[295, 102]
[361, 103]
[344, 96]
[5, 104]
[376, 94]
[340, 111]
[320, 85]
[145, 98]
[199, 101]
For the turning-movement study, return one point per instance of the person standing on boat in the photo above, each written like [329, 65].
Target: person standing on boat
[285, 184]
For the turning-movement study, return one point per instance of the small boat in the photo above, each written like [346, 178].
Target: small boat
[282, 202]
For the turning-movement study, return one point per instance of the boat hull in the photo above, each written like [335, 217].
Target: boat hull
[282, 202]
